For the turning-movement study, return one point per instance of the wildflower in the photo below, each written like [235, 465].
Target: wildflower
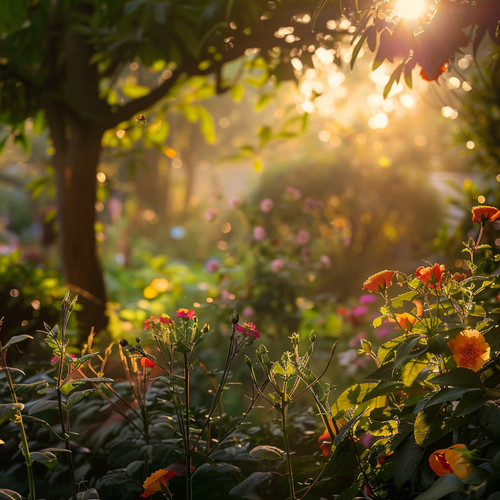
[211, 213]
[484, 213]
[147, 363]
[404, 321]
[148, 323]
[303, 237]
[326, 261]
[379, 281]
[166, 320]
[469, 349]
[69, 358]
[155, 481]
[277, 265]
[293, 192]
[249, 329]
[266, 205]
[259, 233]
[325, 440]
[431, 275]
[366, 299]
[186, 313]
[212, 265]
[451, 460]
[234, 203]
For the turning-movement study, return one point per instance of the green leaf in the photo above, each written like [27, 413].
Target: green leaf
[346, 428]
[237, 92]
[265, 452]
[262, 102]
[412, 369]
[449, 483]
[406, 458]
[46, 458]
[404, 351]
[9, 495]
[459, 377]
[134, 91]
[13, 13]
[77, 396]
[471, 401]
[248, 485]
[352, 396]
[207, 127]
[10, 411]
[430, 425]
[42, 405]
[16, 339]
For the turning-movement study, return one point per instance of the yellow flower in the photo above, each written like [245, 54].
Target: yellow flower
[469, 349]
[379, 281]
[155, 481]
[451, 460]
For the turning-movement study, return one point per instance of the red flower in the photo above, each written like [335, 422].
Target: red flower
[186, 313]
[147, 363]
[249, 329]
[431, 275]
[484, 213]
[325, 443]
[379, 281]
[155, 481]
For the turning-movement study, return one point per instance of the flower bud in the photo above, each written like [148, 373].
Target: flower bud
[235, 317]
[123, 342]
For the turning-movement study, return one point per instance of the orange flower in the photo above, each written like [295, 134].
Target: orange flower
[469, 349]
[404, 321]
[155, 481]
[459, 277]
[451, 460]
[379, 281]
[325, 440]
[431, 275]
[484, 213]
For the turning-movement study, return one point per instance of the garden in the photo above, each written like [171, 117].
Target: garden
[249, 249]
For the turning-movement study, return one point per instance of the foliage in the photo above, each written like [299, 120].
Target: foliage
[422, 425]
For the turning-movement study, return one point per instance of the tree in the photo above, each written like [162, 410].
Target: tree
[61, 63]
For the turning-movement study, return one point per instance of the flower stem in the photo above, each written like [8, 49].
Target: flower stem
[19, 422]
[189, 485]
[287, 449]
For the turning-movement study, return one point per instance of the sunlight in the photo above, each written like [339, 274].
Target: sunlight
[410, 9]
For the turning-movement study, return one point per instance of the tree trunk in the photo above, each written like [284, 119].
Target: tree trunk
[76, 196]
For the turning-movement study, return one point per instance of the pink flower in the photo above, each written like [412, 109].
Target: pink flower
[148, 323]
[302, 237]
[166, 320]
[266, 205]
[326, 261]
[310, 204]
[55, 358]
[212, 265]
[248, 312]
[211, 213]
[277, 265]
[293, 192]
[186, 313]
[234, 202]
[259, 233]
[366, 299]
[248, 328]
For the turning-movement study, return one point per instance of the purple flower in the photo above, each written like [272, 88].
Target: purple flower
[367, 299]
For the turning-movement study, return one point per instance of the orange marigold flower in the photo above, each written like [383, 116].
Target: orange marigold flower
[469, 349]
[451, 460]
[431, 275]
[484, 213]
[155, 481]
[379, 281]
[404, 321]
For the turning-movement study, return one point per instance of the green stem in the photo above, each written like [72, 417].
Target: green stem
[19, 422]
[287, 449]
[189, 485]
[67, 445]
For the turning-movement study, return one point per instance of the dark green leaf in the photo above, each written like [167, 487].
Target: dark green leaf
[459, 377]
[449, 483]
[265, 452]
[10, 411]
[46, 458]
[471, 401]
[16, 339]
[9, 495]
[406, 458]
[248, 485]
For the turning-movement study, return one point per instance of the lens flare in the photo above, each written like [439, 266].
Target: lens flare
[410, 9]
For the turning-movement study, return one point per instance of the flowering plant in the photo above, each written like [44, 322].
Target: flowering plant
[429, 406]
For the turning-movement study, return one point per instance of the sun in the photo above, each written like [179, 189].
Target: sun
[410, 9]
